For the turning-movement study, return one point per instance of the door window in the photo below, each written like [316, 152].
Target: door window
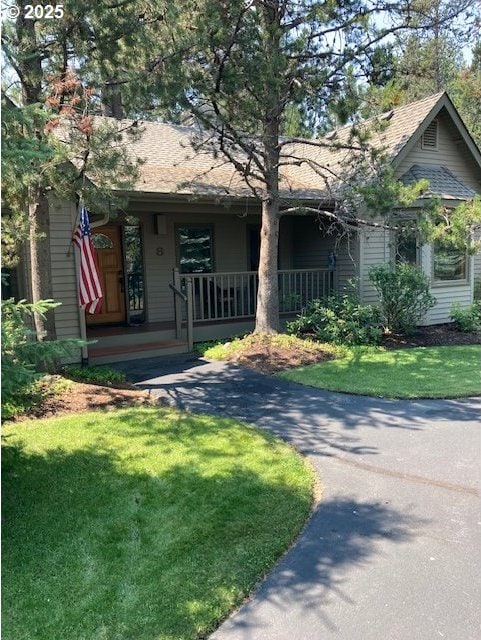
[101, 241]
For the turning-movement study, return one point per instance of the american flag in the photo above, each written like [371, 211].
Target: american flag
[90, 289]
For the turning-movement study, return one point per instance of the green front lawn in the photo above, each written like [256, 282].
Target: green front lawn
[424, 372]
[140, 523]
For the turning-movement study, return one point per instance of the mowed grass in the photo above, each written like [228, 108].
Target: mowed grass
[424, 372]
[141, 523]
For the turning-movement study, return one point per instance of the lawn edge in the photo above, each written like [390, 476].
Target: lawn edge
[317, 495]
[371, 395]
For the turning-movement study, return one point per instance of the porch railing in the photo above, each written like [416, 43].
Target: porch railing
[229, 295]
[135, 288]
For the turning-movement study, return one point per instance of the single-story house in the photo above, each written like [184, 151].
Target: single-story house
[191, 231]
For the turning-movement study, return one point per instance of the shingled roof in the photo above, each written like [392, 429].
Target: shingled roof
[172, 166]
[442, 182]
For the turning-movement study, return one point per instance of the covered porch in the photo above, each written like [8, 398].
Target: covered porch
[172, 279]
[206, 306]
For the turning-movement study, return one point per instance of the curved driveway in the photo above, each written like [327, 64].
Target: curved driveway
[392, 551]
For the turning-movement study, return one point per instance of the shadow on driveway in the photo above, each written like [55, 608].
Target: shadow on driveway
[343, 535]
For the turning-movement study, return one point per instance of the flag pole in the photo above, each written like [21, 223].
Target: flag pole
[82, 323]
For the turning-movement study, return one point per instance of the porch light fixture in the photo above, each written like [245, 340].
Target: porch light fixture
[160, 224]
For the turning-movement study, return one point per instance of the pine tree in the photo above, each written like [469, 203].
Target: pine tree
[249, 66]
[465, 91]
[101, 47]
[429, 58]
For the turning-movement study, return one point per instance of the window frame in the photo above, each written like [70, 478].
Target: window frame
[194, 225]
[439, 282]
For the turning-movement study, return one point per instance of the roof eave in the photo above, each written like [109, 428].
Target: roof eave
[445, 201]
[213, 198]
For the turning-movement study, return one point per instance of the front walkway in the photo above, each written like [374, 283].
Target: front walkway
[392, 551]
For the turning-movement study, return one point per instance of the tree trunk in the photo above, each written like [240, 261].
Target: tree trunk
[267, 313]
[31, 74]
[112, 106]
[40, 263]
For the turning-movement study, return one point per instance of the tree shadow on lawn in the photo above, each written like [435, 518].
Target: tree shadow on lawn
[90, 550]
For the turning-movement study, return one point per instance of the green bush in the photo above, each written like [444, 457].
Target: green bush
[23, 357]
[94, 375]
[467, 319]
[404, 296]
[339, 319]
[34, 395]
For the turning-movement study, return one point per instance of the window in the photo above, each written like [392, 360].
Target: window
[448, 263]
[407, 248]
[429, 138]
[101, 241]
[134, 265]
[195, 248]
[10, 283]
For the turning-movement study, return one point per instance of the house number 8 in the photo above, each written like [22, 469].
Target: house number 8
[159, 251]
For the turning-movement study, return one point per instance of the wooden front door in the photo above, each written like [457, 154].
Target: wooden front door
[107, 243]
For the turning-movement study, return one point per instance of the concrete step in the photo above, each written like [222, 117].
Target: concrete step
[131, 337]
[121, 353]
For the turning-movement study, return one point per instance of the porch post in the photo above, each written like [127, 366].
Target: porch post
[177, 305]
[190, 314]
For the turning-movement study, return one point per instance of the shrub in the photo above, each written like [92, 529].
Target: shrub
[34, 395]
[23, 358]
[404, 295]
[467, 319]
[339, 319]
[94, 375]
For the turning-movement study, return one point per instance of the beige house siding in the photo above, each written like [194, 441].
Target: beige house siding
[64, 280]
[477, 265]
[445, 297]
[375, 249]
[347, 265]
[451, 153]
[477, 270]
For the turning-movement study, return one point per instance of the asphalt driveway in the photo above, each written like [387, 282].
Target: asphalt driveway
[392, 552]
